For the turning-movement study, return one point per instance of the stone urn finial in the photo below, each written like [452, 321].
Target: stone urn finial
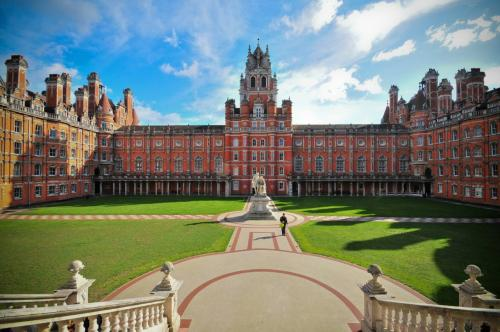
[168, 282]
[373, 286]
[76, 279]
[471, 285]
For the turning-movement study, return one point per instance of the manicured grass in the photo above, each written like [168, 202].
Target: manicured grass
[141, 205]
[427, 257]
[34, 255]
[381, 207]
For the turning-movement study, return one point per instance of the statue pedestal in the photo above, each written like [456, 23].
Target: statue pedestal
[259, 208]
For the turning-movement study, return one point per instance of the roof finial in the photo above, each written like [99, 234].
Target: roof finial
[258, 40]
[249, 51]
[267, 49]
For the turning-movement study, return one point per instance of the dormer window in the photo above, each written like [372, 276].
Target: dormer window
[258, 111]
[252, 82]
[263, 82]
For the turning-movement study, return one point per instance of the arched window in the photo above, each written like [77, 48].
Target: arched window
[382, 165]
[262, 142]
[403, 164]
[361, 165]
[235, 142]
[298, 164]
[340, 164]
[254, 142]
[218, 164]
[478, 131]
[319, 164]
[158, 164]
[263, 82]
[198, 165]
[138, 164]
[252, 82]
[178, 165]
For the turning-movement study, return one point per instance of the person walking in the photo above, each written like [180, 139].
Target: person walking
[283, 223]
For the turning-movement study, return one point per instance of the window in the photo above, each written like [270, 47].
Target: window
[340, 142]
[281, 125]
[86, 139]
[252, 82]
[262, 171]
[198, 164]
[478, 192]
[37, 170]
[104, 142]
[118, 143]
[18, 193]
[281, 185]
[73, 153]
[454, 189]
[493, 128]
[73, 187]
[477, 151]
[262, 156]
[478, 131]
[420, 140]
[282, 142]
[53, 133]
[454, 170]
[52, 170]
[236, 156]
[73, 136]
[86, 187]
[361, 142]
[382, 165]
[17, 126]
[467, 171]
[17, 147]
[262, 142]
[420, 155]
[440, 154]
[263, 82]
[494, 193]
[118, 164]
[63, 135]
[361, 165]
[62, 170]
[494, 169]
[85, 170]
[440, 138]
[104, 156]
[493, 148]
[319, 142]
[440, 170]
[454, 135]
[218, 164]
[478, 171]
[235, 142]
[178, 165]
[86, 155]
[160, 143]
[62, 153]
[340, 164]
[454, 153]
[429, 140]
[158, 164]
[52, 190]
[298, 164]
[236, 184]
[17, 169]
[138, 164]
[281, 156]
[467, 191]
[52, 152]
[466, 133]
[440, 187]
[38, 191]
[63, 189]
[38, 130]
[382, 142]
[95, 140]
[73, 170]
[319, 164]
[282, 171]
[236, 171]
[429, 155]
[403, 164]
[467, 153]
[254, 142]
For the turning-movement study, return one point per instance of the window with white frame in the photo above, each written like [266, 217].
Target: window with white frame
[466, 133]
[63, 189]
[73, 170]
[37, 170]
[53, 133]
[454, 135]
[17, 169]
[478, 131]
[429, 155]
[18, 193]
[494, 193]
[52, 170]
[467, 171]
[493, 127]
[420, 140]
[38, 130]
[118, 164]
[218, 165]
[138, 164]
[440, 138]
[73, 188]
[38, 191]
[361, 165]
[493, 148]
[477, 151]
[235, 142]
[235, 156]
[138, 143]
[440, 170]
[298, 164]
[281, 185]
[281, 155]
[236, 171]
[282, 171]
[178, 165]
[63, 135]
[319, 164]
[467, 191]
[454, 153]
[262, 171]
[420, 155]
[62, 170]
[52, 190]
[158, 164]
[440, 187]
[254, 155]
[454, 189]
[454, 169]
[73, 136]
[262, 156]
[340, 164]
[440, 154]
[62, 153]
[73, 153]
[86, 187]
[382, 164]
[467, 153]
[403, 164]
[17, 126]
[38, 149]
[478, 192]
[198, 164]
[262, 142]
[494, 169]
[52, 152]
[236, 185]
[478, 171]
[18, 147]
[429, 140]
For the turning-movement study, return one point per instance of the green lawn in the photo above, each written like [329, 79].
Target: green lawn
[426, 257]
[34, 255]
[141, 205]
[381, 207]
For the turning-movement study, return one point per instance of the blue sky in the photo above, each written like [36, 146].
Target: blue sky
[335, 59]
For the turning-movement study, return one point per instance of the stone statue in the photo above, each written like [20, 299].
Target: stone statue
[261, 186]
[254, 183]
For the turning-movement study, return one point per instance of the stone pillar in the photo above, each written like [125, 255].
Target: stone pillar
[168, 188]
[372, 318]
[364, 189]
[380, 188]
[114, 188]
[298, 189]
[334, 189]
[77, 287]
[373, 188]
[227, 189]
[386, 188]
[218, 188]
[126, 187]
[147, 187]
[290, 188]
[351, 187]
[168, 288]
[100, 188]
[341, 189]
[472, 294]
[140, 188]
[162, 184]
[177, 189]
[119, 188]
[329, 188]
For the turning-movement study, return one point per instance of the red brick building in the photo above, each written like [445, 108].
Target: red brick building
[54, 149]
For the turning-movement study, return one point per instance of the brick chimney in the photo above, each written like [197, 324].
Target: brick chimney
[16, 75]
[66, 81]
[54, 90]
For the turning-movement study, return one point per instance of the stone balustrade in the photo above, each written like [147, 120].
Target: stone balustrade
[383, 313]
[155, 313]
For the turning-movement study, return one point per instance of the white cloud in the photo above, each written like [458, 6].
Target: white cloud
[371, 85]
[496, 18]
[186, 70]
[492, 78]
[148, 115]
[313, 18]
[375, 21]
[172, 40]
[407, 48]
[58, 68]
[462, 34]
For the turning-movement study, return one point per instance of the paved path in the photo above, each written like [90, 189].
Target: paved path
[109, 217]
[263, 282]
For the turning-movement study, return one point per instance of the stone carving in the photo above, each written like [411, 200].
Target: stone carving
[471, 285]
[259, 185]
[168, 282]
[373, 286]
[77, 280]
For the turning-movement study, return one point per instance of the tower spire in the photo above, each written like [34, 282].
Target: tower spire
[258, 42]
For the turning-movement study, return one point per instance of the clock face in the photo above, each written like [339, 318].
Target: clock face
[198, 143]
